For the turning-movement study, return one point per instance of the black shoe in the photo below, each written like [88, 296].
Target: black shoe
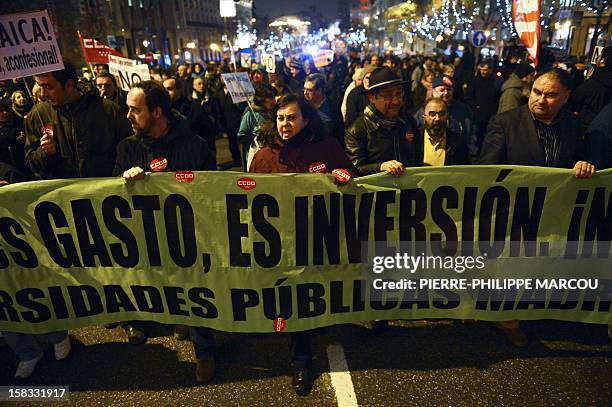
[135, 335]
[112, 325]
[302, 379]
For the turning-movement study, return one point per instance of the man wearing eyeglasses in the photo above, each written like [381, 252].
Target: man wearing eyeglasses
[380, 139]
[435, 144]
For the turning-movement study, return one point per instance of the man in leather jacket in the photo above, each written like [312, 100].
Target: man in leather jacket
[381, 138]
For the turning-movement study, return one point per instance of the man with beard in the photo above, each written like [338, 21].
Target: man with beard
[163, 142]
[434, 144]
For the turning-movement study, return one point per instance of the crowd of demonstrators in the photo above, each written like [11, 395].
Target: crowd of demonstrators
[365, 114]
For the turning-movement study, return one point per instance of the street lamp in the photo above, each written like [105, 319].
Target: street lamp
[214, 47]
[190, 45]
[145, 43]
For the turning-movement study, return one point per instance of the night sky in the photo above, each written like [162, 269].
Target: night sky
[273, 8]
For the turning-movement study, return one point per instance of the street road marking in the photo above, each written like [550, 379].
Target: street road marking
[340, 376]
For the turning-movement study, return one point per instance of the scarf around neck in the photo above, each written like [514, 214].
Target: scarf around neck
[374, 115]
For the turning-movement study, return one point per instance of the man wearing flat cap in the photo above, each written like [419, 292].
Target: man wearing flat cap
[380, 139]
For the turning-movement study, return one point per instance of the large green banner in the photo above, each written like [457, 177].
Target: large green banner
[288, 252]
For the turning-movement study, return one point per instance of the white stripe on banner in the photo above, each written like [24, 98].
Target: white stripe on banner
[525, 26]
[526, 6]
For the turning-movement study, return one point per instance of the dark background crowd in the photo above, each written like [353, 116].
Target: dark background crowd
[361, 115]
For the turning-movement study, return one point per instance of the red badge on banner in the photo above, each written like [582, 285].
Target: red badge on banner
[342, 175]
[246, 183]
[317, 167]
[96, 52]
[184, 176]
[279, 324]
[158, 164]
[409, 136]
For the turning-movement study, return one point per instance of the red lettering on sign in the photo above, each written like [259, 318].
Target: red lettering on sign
[184, 176]
[246, 183]
[342, 175]
[158, 164]
[317, 167]
[279, 324]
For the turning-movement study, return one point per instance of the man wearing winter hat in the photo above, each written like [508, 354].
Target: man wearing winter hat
[515, 90]
[296, 82]
[380, 139]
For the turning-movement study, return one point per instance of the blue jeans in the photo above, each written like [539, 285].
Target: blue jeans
[203, 341]
[27, 346]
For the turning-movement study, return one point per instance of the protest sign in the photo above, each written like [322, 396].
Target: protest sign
[236, 252]
[596, 55]
[323, 58]
[269, 61]
[28, 45]
[245, 59]
[116, 64]
[129, 75]
[239, 86]
[96, 52]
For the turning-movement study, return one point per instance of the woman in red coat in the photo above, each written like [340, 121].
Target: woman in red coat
[298, 142]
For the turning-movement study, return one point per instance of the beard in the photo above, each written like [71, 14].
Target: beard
[435, 129]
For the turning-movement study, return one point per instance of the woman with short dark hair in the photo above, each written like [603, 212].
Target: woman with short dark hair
[296, 141]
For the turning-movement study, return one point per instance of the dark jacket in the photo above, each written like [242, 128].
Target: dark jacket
[12, 167]
[456, 149]
[183, 149]
[231, 114]
[182, 105]
[598, 141]
[356, 101]
[512, 138]
[590, 97]
[368, 144]
[512, 94]
[299, 156]
[482, 97]
[86, 135]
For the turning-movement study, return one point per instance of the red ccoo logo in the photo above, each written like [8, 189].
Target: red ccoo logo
[158, 164]
[317, 167]
[342, 175]
[184, 176]
[279, 324]
[246, 183]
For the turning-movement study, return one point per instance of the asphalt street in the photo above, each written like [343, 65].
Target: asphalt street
[413, 363]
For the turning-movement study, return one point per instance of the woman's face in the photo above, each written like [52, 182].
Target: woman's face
[19, 100]
[289, 120]
[257, 77]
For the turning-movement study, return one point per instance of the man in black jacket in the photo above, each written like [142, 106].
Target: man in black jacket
[435, 144]
[380, 139]
[163, 142]
[482, 96]
[540, 133]
[72, 135]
